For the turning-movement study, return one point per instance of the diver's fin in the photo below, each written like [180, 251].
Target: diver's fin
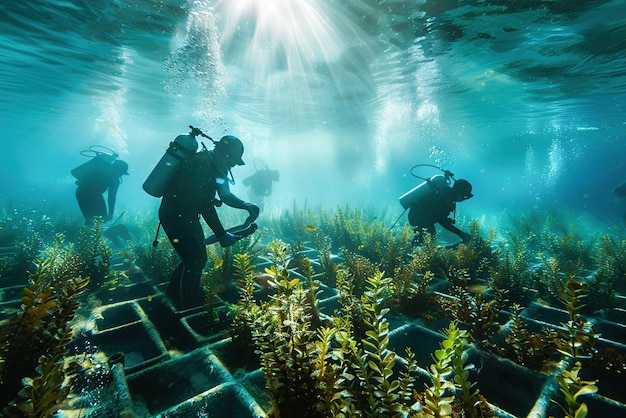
[240, 231]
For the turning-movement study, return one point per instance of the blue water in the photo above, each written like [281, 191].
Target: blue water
[524, 99]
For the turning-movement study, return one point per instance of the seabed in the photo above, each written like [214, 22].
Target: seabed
[135, 354]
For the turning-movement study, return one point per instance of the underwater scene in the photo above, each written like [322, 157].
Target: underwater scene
[313, 208]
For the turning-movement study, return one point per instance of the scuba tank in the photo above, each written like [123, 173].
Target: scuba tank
[425, 188]
[181, 148]
[101, 158]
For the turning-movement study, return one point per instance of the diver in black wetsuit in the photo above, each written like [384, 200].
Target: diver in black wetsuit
[260, 185]
[436, 207]
[92, 183]
[191, 193]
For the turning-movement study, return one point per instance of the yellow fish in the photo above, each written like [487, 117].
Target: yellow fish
[149, 298]
[310, 228]
[218, 263]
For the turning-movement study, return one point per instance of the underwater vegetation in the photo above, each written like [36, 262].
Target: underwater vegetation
[33, 341]
[328, 367]
[483, 285]
[338, 359]
[35, 336]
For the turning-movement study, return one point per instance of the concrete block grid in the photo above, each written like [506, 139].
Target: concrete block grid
[176, 365]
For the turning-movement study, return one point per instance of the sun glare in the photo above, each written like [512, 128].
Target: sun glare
[281, 35]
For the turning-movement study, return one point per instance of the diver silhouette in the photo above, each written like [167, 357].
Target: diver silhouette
[103, 173]
[432, 201]
[189, 193]
[260, 185]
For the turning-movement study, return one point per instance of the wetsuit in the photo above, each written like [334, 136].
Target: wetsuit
[191, 193]
[433, 209]
[261, 182]
[260, 185]
[91, 188]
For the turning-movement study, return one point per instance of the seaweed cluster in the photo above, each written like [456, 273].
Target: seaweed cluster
[484, 280]
[33, 342]
[343, 365]
[322, 363]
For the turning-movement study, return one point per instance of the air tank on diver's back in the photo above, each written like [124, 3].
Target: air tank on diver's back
[182, 147]
[101, 158]
[423, 189]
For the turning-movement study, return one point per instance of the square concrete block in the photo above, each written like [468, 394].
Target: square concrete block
[116, 316]
[140, 347]
[178, 380]
[221, 401]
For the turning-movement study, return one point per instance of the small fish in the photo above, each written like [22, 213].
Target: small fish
[218, 263]
[263, 279]
[149, 298]
[310, 228]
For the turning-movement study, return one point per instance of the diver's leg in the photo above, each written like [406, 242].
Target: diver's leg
[187, 238]
[91, 204]
[191, 292]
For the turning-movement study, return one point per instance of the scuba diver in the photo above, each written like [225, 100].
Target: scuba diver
[103, 173]
[432, 201]
[188, 190]
[260, 184]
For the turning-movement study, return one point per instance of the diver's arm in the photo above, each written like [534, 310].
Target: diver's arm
[211, 219]
[233, 201]
[226, 239]
[448, 224]
[227, 196]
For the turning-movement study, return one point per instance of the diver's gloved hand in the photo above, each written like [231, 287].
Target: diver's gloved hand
[227, 239]
[465, 236]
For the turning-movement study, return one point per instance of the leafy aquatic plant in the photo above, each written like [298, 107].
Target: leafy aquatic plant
[470, 398]
[359, 269]
[580, 337]
[475, 257]
[529, 349]
[510, 273]
[572, 387]
[92, 255]
[34, 341]
[449, 372]
[282, 335]
[439, 396]
[611, 261]
[344, 367]
[412, 293]
[571, 250]
[375, 366]
[549, 279]
[429, 256]
[368, 385]
[157, 262]
[480, 316]
[328, 266]
[246, 309]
